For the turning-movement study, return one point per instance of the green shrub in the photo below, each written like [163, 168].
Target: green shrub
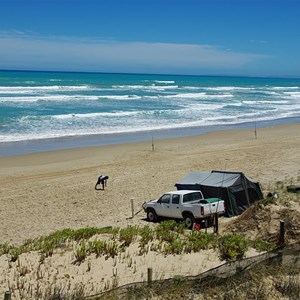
[146, 234]
[198, 240]
[233, 246]
[197, 235]
[171, 225]
[261, 245]
[268, 200]
[175, 247]
[85, 233]
[47, 247]
[15, 252]
[167, 236]
[98, 247]
[112, 249]
[81, 253]
[165, 231]
[4, 248]
[180, 227]
[127, 235]
[54, 240]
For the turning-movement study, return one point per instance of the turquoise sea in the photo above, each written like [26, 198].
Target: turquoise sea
[53, 110]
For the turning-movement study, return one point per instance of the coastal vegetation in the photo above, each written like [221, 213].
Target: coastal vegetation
[169, 237]
[30, 273]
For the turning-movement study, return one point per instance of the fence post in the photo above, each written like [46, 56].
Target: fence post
[152, 143]
[7, 295]
[281, 234]
[216, 224]
[132, 207]
[149, 276]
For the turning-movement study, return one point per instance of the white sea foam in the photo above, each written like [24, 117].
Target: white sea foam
[36, 133]
[57, 98]
[265, 102]
[194, 88]
[293, 94]
[145, 87]
[229, 88]
[96, 115]
[165, 81]
[201, 95]
[129, 87]
[46, 87]
[195, 108]
[163, 88]
[283, 87]
[120, 97]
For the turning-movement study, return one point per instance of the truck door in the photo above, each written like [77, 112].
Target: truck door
[163, 207]
[175, 206]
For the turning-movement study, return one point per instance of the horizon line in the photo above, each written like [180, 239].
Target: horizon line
[151, 74]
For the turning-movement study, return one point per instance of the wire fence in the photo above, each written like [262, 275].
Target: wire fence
[289, 255]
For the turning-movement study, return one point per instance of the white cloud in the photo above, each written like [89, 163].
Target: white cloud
[28, 51]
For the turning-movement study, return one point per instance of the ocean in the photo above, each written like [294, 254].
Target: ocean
[42, 111]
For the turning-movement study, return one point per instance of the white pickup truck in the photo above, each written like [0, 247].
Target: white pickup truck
[188, 205]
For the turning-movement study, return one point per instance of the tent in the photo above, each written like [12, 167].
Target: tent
[238, 191]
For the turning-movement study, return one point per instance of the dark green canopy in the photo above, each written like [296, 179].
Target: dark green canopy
[238, 191]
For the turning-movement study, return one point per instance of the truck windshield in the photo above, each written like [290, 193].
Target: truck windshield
[191, 197]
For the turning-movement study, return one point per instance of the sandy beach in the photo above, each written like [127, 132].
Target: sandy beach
[45, 192]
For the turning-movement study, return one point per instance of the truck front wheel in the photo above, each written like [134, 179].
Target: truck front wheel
[189, 221]
[152, 215]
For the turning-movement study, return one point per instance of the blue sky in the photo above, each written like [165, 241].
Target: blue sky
[202, 37]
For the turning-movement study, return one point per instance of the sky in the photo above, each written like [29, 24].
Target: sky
[192, 37]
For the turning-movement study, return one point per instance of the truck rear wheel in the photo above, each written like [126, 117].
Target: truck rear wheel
[189, 221]
[152, 215]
